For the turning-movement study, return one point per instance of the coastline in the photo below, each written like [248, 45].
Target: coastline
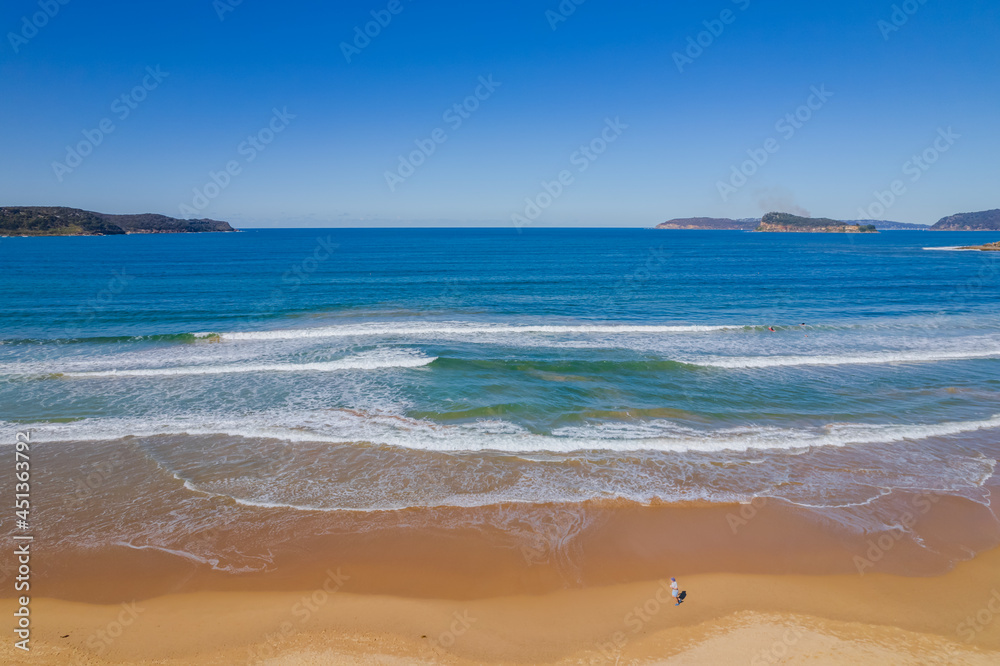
[127, 233]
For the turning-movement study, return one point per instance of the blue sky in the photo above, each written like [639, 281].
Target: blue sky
[557, 80]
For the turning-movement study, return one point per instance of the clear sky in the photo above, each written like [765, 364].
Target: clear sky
[664, 120]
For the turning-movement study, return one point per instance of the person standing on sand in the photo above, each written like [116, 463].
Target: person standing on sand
[674, 590]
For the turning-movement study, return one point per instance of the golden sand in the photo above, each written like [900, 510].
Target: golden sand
[729, 618]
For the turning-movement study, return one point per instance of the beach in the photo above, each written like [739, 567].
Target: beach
[327, 617]
[767, 583]
[475, 446]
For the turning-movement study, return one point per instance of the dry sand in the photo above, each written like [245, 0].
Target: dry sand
[729, 619]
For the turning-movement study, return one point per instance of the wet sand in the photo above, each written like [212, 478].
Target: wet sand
[475, 553]
[203, 579]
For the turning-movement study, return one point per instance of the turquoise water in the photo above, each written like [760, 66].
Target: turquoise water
[381, 369]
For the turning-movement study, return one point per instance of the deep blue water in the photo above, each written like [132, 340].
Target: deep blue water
[547, 365]
[262, 278]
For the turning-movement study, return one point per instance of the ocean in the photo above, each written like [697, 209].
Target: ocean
[364, 370]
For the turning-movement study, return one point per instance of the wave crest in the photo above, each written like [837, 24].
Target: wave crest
[363, 361]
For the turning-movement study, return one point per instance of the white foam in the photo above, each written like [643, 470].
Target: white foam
[955, 248]
[348, 426]
[364, 361]
[459, 328]
[876, 358]
[213, 562]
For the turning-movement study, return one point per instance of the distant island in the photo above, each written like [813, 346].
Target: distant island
[715, 223]
[786, 222]
[987, 220]
[753, 223]
[59, 221]
[886, 225]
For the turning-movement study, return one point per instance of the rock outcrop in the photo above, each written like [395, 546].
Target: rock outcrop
[987, 220]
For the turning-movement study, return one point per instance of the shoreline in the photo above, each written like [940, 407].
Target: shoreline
[127, 233]
[454, 553]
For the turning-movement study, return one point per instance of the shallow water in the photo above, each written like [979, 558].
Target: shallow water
[471, 368]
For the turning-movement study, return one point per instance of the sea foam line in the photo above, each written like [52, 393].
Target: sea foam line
[405, 433]
[350, 363]
[855, 359]
[212, 562]
[462, 329]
